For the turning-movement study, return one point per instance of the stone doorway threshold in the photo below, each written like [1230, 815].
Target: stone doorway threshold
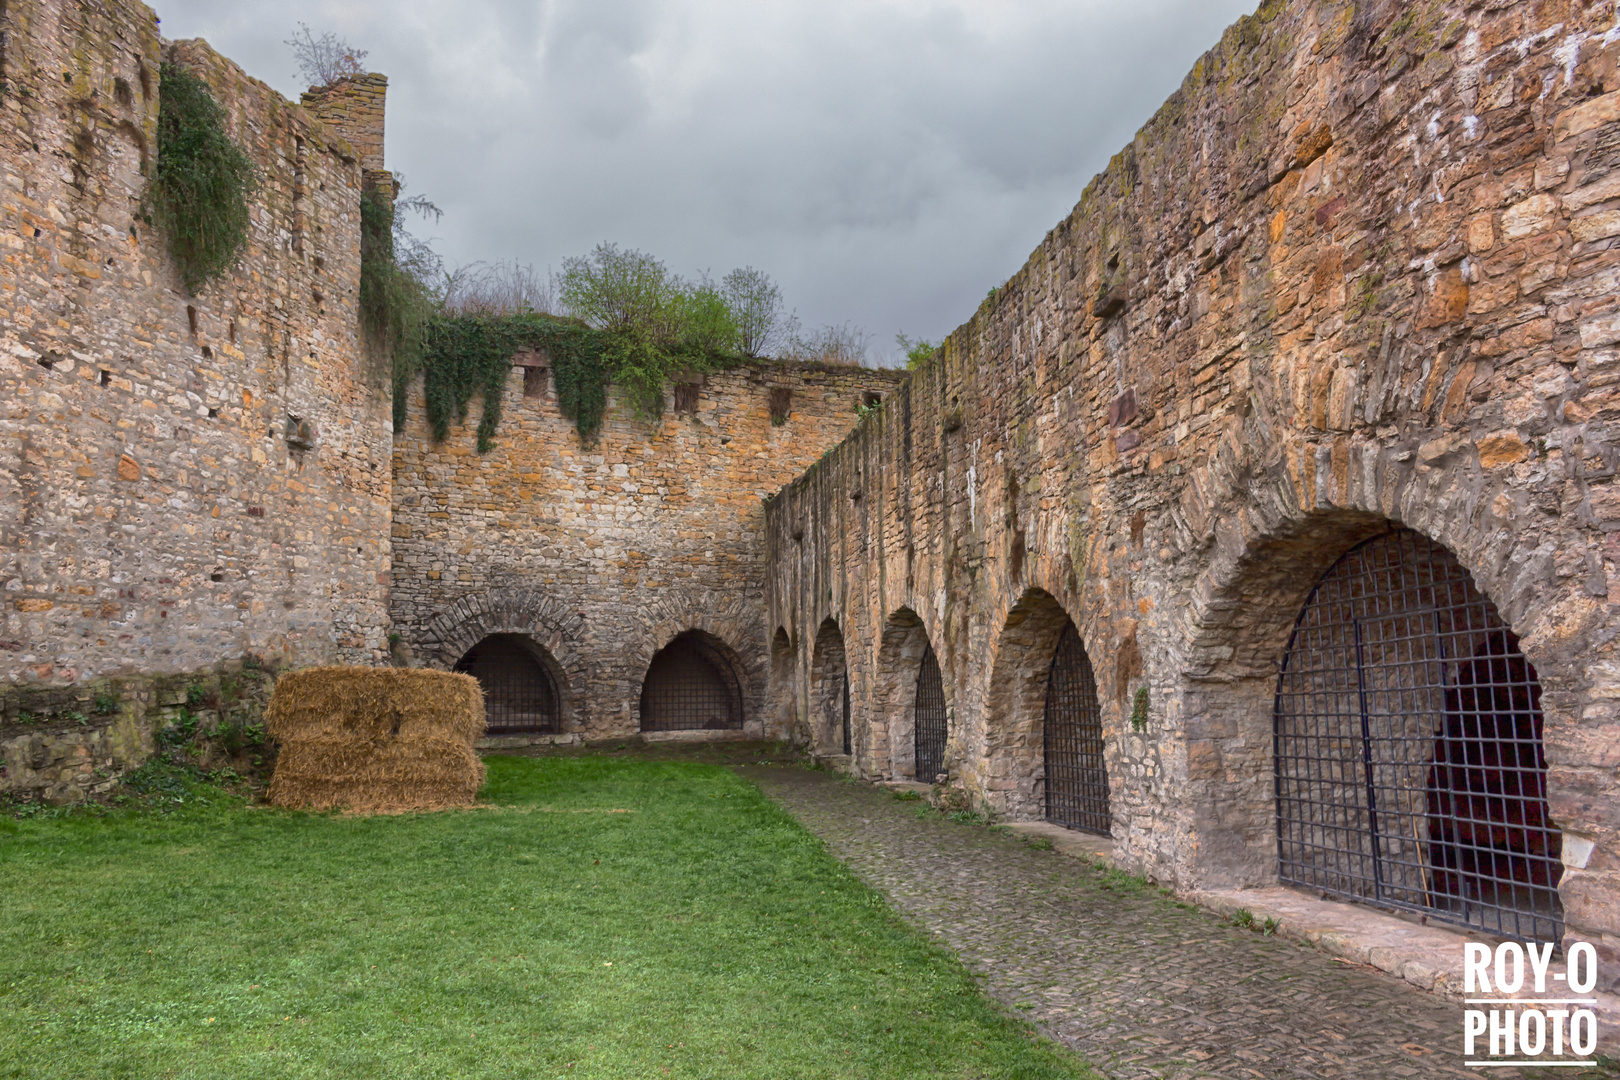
[1065, 841]
[1428, 957]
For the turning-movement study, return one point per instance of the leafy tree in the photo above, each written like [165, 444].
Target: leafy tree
[708, 322]
[917, 350]
[622, 290]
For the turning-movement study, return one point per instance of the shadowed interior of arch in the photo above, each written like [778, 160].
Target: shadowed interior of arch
[1072, 738]
[691, 685]
[1410, 771]
[1046, 750]
[831, 727]
[908, 716]
[520, 690]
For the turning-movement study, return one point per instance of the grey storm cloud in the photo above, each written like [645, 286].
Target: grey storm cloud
[887, 161]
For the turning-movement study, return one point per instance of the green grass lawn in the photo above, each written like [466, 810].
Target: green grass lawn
[600, 917]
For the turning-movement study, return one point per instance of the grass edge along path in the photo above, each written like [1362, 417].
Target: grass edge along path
[597, 917]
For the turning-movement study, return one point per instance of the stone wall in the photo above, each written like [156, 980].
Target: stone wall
[1360, 269]
[603, 553]
[185, 481]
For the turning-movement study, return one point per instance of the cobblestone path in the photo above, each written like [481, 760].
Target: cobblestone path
[1137, 984]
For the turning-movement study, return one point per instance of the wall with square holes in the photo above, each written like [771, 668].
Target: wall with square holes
[185, 481]
[603, 552]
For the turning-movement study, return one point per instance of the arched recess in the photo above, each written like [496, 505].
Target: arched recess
[780, 700]
[521, 683]
[540, 619]
[1265, 560]
[905, 655]
[692, 684]
[1015, 777]
[732, 622]
[831, 723]
[1410, 768]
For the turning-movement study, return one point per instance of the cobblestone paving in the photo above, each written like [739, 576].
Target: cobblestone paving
[1137, 984]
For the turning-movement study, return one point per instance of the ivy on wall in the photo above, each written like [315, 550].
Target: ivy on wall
[199, 192]
[467, 355]
[394, 304]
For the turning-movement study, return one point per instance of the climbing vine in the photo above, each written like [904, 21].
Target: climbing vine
[394, 304]
[199, 192]
[468, 355]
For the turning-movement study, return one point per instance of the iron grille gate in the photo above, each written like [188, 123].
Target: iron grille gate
[1076, 778]
[1410, 771]
[519, 694]
[928, 719]
[848, 748]
[690, 687]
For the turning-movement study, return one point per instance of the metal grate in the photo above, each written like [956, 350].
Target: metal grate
[1410, 771]
[848, 747]
[1076, 778]
[690, 687]
[519, 693]
[928, 716]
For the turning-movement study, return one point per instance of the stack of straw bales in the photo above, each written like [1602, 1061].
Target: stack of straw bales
[376, 739]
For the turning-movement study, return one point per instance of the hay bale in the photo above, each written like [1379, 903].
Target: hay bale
[376, 739]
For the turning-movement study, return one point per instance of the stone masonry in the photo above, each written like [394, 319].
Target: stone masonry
[603, 553]
[1360, 269]
[185, 481]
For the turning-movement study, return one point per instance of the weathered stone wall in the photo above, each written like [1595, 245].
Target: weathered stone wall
[1361, 268]
[603, 553]
[184, 480]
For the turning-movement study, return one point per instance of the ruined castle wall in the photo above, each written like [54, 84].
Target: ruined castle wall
[184, 480]
[603, 553]
[1360, 269]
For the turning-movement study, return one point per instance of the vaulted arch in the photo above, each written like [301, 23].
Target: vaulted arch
[692, 684]
[908, 687]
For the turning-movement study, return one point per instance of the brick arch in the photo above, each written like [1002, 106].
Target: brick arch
[715, 651]
[1012, 782]
[889, 731]
[541, 619]
[736, 627]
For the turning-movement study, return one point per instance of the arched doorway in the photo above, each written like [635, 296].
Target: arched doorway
[691, 686]
[1076, 777]
[928, 720]
[1408, 746]
[520, 692]
[829, 672]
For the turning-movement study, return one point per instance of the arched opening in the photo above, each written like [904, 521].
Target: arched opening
[691, 685]
[1072, 737]
[781, 702]
[520, 688]
[1044, 721]
[928, 725]
[906, 668]
[1408, 746]
[831, 730]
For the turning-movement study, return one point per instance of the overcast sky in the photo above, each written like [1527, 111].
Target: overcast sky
[886, 161]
